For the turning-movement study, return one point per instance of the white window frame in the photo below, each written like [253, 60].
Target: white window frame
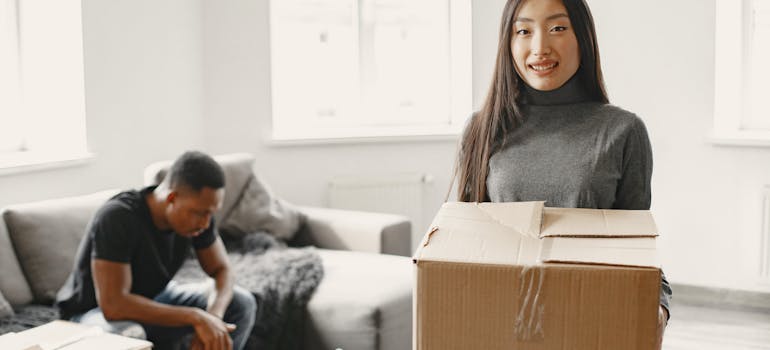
[460, 98]
[731, 89]
[50, 110]
[10, 88]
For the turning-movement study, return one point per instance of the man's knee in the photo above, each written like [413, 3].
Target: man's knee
[95, 317]
[243, 304]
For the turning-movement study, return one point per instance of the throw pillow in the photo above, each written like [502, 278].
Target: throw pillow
[258, 210]
[46, 236]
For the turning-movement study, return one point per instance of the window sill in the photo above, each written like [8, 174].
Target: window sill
[274, 141]
[23, 162]
[743, 138]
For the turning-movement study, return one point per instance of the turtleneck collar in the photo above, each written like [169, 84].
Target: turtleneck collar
[573, 91]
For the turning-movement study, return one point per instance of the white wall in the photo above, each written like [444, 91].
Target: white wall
[143, 84]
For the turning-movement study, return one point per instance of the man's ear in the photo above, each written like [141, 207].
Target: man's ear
[171, 196]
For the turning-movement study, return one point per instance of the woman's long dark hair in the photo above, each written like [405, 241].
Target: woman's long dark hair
[501, 111]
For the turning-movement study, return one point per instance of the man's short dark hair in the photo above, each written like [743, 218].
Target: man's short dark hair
[196, 170]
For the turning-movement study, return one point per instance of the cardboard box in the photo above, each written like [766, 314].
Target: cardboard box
[521, 276]
[63, 335]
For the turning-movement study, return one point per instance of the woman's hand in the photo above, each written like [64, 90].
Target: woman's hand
[662, 321]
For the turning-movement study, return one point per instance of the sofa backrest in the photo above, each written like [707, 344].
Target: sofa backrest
[238, 168]
[13, 284]
[46, 236]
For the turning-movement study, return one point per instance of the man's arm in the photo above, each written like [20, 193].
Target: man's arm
[213, 260]
[112, 281]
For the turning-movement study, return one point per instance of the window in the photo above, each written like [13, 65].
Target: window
[758, 116]
[41, 62]
[10, 137]
[742, 112]
[367, 68]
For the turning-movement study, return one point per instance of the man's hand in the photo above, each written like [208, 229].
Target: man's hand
[216, 310]
[662, 321]
[196, 344]
[211, 333]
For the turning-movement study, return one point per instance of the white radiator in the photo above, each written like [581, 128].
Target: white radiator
[403, 194]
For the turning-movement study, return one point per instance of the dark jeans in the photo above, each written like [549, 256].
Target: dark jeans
[240, 312]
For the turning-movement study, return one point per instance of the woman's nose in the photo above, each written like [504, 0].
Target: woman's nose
[541, 45]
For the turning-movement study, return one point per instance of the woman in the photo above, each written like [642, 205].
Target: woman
[546, 130]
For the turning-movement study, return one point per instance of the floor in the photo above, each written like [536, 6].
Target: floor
[706, 328]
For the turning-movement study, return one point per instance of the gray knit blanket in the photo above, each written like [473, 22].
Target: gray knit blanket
[282, 279]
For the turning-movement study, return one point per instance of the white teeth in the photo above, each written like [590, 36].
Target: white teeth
[542, 68]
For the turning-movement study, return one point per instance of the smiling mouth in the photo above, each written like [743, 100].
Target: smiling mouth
[541, 68]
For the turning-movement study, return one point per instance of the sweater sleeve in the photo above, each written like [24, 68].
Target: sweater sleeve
[665, 293]
[633, 190]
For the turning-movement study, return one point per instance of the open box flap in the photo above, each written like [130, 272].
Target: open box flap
[572, 222]
[510, 234]
[636, 252]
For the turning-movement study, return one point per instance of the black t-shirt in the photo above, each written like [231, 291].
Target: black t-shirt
[122, 231]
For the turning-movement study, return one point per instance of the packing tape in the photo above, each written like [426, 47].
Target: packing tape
[529, 320]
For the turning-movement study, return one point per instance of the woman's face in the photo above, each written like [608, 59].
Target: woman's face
[543, 44]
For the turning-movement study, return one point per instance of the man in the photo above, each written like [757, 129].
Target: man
[134, 246]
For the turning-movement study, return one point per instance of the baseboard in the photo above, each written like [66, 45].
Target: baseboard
[720, 298]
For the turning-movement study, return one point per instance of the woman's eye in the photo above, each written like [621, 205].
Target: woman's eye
[559, 29]
[522, 32]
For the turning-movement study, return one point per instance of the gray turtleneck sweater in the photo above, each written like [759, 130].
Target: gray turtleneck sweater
[574, 153]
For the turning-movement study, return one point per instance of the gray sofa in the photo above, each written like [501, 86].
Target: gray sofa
[363, 302]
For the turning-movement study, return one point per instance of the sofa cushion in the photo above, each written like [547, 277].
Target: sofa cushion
[13, 284]
[5, 308]
[258, 210]
[46, 236]
[363, 302]
[237, 168]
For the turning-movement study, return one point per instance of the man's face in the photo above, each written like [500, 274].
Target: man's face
[189, 212]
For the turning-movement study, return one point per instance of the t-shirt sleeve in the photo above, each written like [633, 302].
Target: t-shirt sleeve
[634, 191]
[207, 237]
[114, 235]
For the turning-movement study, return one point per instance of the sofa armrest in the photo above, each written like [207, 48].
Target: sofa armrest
[359, 231]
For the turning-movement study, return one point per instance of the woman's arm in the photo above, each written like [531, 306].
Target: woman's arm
[633, 189]
[634, 192]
